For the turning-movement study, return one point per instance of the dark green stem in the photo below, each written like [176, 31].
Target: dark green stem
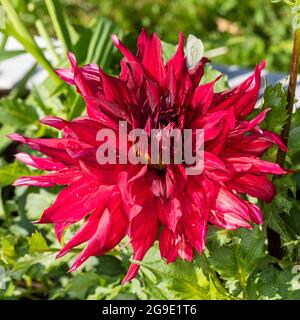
[290, 97]
[274, 241]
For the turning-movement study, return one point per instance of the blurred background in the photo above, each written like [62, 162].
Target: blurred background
[251, 30]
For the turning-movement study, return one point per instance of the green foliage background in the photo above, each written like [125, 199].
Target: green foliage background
[236, 264]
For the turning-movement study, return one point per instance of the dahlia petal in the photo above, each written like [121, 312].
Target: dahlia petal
[134, 197]
[228, 220]
[167, 245]
[203, 96]
[172, 213]
[76, 201]
[54, 122]
[64, 150]
[248, 145]
[274, 138]
[229, 211]
[242, 98]
[134, 76]
[169, 84]
[225, 125]
[82, 84]
[214, 124]
[258, 119]
[55, 143]
[123, 49]
[256, 186]
[66, 75]
[29, 181]
[99, 105]
[142, 39]
[178, 60]
[62, 177]
[141, 242]
[59, 229]
[85, 233]
[152, 94]
[152, 58]
[96, 243]
[241, 164]
[131, 207]
[195, 220]
[254, 212]
[111, 229]
[185, 251]
[40, 163]
[197, 72]
[213, 162]
[115, 90]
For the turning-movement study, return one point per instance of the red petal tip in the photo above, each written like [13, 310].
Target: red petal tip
[115, 39]
[72, 269]
[16, 137]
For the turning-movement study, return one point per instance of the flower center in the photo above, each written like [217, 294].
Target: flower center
[160, 168]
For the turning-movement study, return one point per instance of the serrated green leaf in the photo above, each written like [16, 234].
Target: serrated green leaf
[275, 97]
[238, 260]
[37, 243]
[7, 252]
[183, 279]
[272, 283]
[24, 263]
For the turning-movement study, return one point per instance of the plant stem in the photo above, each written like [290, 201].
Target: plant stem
[290, 96]
[274, 241]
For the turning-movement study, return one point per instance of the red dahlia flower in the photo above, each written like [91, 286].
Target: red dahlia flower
[143, 201]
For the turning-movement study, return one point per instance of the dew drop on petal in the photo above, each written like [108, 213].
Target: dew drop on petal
[93, 188]
[72, 145]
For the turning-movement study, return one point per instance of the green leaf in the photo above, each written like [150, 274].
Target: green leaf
[27, 261]
[16, 28]
[36, 203]
[82, 284]
[7, 252]
[275, 97]
[17, 112]
[10, 172]
[183, 280]
[294, 145]
[109, 265]
[240, 258]
[4, 131]
[211, 74]
[272, 283]
[8, 54]
[168, 50]
[58, 19]
[48, 41]
[37, 243]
